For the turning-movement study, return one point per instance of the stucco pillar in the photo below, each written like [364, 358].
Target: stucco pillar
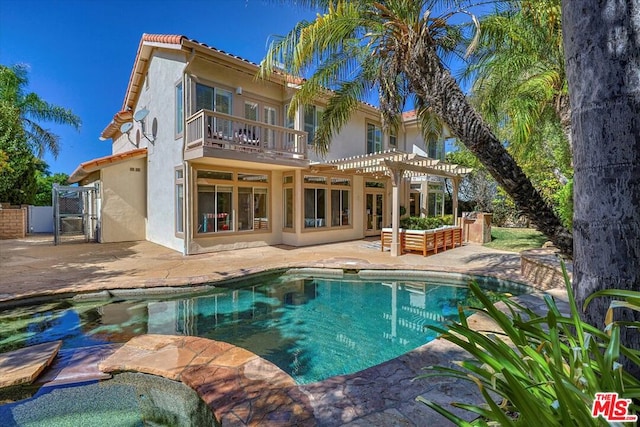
[396, 181]
[456, 185]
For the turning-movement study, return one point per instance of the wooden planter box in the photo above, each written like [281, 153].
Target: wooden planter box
[424, 241]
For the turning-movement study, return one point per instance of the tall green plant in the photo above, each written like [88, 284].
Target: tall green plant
[540, 369]
[32, 110]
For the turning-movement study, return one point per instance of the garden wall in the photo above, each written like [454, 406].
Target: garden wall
[13, 222]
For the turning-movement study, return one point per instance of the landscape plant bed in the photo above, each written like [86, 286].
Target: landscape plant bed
[424, 241]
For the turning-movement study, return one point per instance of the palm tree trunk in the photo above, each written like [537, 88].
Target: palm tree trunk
[431, 81]
[602, 50]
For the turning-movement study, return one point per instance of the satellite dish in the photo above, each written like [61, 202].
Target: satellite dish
[140, 115]
[154, 128]
[126, 127]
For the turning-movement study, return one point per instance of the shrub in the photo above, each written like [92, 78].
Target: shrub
[548, 369]
[425, 223]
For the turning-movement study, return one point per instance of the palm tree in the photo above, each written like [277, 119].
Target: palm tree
[32, 109]
[396, 47]
[521, 84]
[602, 48]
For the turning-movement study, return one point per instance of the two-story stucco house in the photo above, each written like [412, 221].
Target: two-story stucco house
[205, 158]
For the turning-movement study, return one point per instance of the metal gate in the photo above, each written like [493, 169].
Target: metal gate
[75, 214]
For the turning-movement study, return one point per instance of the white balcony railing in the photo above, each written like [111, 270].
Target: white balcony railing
[208, 128]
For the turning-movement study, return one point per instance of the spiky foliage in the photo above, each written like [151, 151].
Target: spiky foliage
[397, 48]
[32, 110]
[349, 53]
[520, 85]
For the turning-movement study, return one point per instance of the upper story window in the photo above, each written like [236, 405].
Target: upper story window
[215, 99]
[393, 140]
[374, 138]
[312, 117]
[251, 110]
[179, 109]
[435, 149]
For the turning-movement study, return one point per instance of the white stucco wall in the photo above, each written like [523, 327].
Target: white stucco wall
[123, 201]
[122, 144]
[165, 153]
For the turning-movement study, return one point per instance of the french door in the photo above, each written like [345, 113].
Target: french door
[374, 212]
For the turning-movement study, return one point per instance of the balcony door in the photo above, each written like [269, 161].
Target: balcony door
[219, 100]
[270, 117]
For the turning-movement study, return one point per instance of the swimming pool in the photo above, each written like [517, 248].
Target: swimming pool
[313, 326]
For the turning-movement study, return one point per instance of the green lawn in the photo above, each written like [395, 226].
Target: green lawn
[515, 239]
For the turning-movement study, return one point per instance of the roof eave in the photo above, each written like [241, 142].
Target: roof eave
[87, 168]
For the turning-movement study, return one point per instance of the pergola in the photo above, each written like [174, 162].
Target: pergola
[397, 165]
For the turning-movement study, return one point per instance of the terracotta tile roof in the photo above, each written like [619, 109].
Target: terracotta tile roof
[118, 119]
[163, 38]
[87, 167]
[409, 114]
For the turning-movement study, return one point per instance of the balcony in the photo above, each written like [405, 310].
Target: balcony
[209, 130]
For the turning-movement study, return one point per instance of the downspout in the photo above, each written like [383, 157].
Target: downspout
[186, 170]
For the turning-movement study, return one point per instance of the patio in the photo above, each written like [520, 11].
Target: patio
[382, 395]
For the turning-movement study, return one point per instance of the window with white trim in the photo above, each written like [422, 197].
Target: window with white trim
[312, 117]
[374, 138]
[179, 109]
[340, 202]
[179, 201]
[288, 202]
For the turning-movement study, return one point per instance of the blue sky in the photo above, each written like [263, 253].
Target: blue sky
[80, 52]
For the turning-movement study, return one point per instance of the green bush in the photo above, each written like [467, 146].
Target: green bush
[564, 202]
[428, 223]
[542, 370]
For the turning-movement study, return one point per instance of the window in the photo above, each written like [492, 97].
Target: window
[179, 200]
[227, 176]
[374, 139]
[251, 111]
[374, 184]
[393, 140]
[249, 177]
[287, 202]
[179, 109]
[229, 201]
[215, 99]
[308, 179]
[327, 194]
[315, 207]
[312, 116]
[252, 208]
[270, 117]
[340, 212]
[289, 121]
[214, 208]
[288, 207]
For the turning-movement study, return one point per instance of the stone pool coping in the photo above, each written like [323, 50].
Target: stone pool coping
[239, 387]
[382, 395]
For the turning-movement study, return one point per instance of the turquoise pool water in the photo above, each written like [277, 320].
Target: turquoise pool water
[311, 327]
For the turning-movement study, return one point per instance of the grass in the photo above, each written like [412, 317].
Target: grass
[515, 239]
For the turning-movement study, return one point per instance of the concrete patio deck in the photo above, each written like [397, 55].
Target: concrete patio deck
[383, 395]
